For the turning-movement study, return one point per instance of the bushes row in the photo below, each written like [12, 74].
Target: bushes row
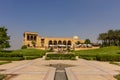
[60, 56]
[26, 54]
[106, 57]
[12, 58]
[30, 57]
[5, 62]
[11, 55]
[102, 57]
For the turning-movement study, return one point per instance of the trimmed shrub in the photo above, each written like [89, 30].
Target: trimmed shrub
[24, 47]
[61, 56]
[11, 55]
[47, 58]
[5, 62]
[106, 57]
[11, 58]
[30, 57]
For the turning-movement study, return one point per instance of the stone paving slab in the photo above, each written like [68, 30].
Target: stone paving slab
[39, 69]
[29, 77]
[92, 70]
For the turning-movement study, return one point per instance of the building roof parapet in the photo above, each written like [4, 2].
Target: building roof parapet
[30, 32]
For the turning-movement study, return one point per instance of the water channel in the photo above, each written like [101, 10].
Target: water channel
[60, 73]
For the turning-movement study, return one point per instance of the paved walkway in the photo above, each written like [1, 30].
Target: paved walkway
[38, 69]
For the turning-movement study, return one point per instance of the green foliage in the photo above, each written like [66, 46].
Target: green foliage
[106, 57]
[78, 42]
[24, 47]
[102, 54]
[60, 56]
[110, 38]
[30, 52]
[22, 54]
[117, 77]
[30, 57]
[12, 58]
[87, 41]
[2, 76]
[11, 55]
[5, 62]
[4, 38]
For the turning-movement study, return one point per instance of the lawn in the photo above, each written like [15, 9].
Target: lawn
[102, 54]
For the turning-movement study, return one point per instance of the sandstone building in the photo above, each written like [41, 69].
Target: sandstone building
[33, 40]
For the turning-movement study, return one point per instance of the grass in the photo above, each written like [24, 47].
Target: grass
[105, 50]
[111, 53]
[30, 52]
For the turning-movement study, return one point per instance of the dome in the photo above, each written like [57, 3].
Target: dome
[75, 37]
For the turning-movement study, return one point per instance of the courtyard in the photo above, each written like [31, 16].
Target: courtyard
[40, 69]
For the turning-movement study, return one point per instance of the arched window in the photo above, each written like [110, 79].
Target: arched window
[59, 42]
[28, 37]
[35, 38]
[69, 42]
[32, 37]
[64, 42]
[50, 42]
[55, 42]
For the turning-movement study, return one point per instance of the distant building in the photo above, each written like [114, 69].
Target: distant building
[33, 40]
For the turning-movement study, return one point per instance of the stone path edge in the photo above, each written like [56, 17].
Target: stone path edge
[50, 74]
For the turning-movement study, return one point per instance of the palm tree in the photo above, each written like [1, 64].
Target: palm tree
[111, 38]
[103, 37]
[117, 34]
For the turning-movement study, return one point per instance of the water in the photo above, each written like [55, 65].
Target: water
[60, 73]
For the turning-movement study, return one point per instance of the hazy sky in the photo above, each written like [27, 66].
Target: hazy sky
[61, 18]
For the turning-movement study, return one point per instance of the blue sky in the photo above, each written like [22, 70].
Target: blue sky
[61, 18]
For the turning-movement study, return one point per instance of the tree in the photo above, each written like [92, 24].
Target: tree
[111, 38]
[78, 42]
[4, 38]
[87, 41]
[103, 37]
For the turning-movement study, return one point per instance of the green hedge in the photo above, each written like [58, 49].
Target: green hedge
[30, 57]
[60, 56]
[11, 55]
[11, 58]
[106, 57]
[101, 57]
[5, 62]
[21, 54]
